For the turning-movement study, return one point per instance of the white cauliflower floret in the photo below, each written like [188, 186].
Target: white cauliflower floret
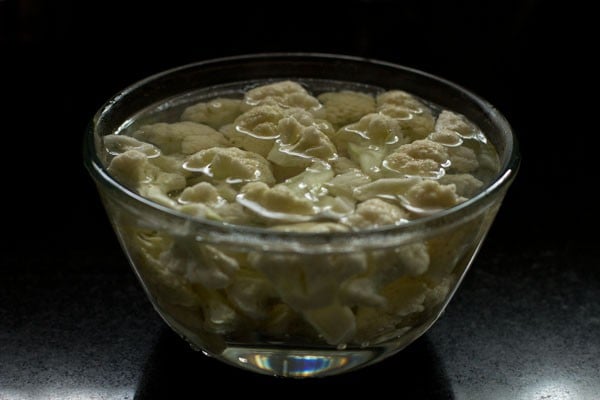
[250, 294]
[386, 266]
[308, 282]
[341, 165]
[403, 297]
[219, 316]
[446, 137]
[344, 107]
[374, 213]
[369, 158]
[202, 192]
[117, 144]
[301, 141]
[200, 210]
[286, 94]
[214, 113]
[448, 120]
[336, 323]
[414, 117]
[344, 184]
[430, 196]
[425, 149]
[399, 98]
[466, 184]
[278, 203]
[180, 137]
[232, 164]
[414, 125]
[256, 129]
[387, 188]
[408, 260]
[198, 263]
[462, 159]
[171, 163]
[309, 183]
[134, 171]
[422, 158]
[372, 129]
[362, 291]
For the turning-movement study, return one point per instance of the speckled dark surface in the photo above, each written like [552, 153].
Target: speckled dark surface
[75, 324]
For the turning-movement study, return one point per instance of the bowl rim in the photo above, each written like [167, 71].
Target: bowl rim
[250, 234]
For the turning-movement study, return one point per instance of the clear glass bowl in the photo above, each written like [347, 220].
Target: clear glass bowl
[281, 310]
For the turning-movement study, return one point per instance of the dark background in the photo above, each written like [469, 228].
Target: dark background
[73, 321]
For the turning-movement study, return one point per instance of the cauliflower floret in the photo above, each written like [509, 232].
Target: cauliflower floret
[446, 137]
[430, 196]
[372, 129]
[301, 141]
[202, 192]
[415, 126]
[466, 184]
[335, 322]
[448, 120]
[277, 203]
[198, 263]
[308, 282]
[180, 137]
[117, 144]
[344, 184]
[285, 94]
[408, 260]
[200, 210]
[134, 171]
[422, 158]
[403, 297]
[214, 113]
[341, 165]
[399, 98]
[374, 213]
[220, 317]
[368, 157]
[309, 183]
[387, 188]
[414, 117]
[232, 164]
[256, 129]
[250, 294]
[488, 158]
[462, 159]
[425, 149]
[386, 266]
[344, 107]
[362, 291]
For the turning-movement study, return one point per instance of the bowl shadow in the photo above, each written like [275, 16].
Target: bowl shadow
[174, 370]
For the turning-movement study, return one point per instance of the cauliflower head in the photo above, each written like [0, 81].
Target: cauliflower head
[256, 129]
[286, 94]
[180, 137]
[302, 141]
[422, 158]
[214, 113]
[346, 106]
[230, 164]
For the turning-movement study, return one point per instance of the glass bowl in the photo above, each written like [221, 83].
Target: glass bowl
[280, 307]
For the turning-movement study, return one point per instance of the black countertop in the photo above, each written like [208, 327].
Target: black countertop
[74, 322]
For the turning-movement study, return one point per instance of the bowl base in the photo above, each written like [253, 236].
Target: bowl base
[298, 363]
